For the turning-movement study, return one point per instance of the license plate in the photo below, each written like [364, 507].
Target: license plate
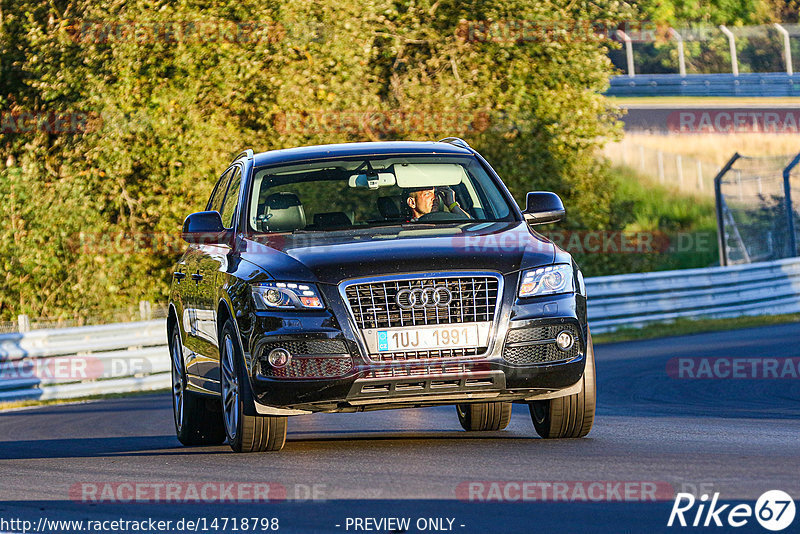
[428, 338]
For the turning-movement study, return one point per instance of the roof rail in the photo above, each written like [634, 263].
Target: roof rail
[248, 153]
[456, 141]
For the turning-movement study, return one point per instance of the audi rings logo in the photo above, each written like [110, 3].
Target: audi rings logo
[424, 297]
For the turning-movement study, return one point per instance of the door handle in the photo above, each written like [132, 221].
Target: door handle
[179, 275]
[197, 277]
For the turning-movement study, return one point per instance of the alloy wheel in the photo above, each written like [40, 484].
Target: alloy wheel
[177, 382]
[230, 389]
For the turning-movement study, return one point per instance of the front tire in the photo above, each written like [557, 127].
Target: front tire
[246, 433]
[571, 416]
[484, 416]
[196, 420]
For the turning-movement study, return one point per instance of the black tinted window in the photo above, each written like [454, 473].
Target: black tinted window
[229, 206]
[357, 192]
[215, 202]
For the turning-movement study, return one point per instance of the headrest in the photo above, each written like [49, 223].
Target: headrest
[281, 212]
[392, 207]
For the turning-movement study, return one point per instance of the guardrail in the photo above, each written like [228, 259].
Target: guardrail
[128, 357]
[635, 300]
[82, 361]
[746, 84]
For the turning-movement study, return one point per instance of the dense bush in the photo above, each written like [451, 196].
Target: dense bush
[157, 113]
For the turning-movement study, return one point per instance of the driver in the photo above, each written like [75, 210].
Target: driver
[424, 200]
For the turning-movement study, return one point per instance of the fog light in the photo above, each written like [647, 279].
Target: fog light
[564, 340]
[279, 358]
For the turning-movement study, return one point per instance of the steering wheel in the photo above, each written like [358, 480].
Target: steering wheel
[442, 216]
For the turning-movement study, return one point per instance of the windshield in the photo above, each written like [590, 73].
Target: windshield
[367, 192]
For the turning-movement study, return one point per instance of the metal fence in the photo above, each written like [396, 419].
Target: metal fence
[756, 215]
[652, 49]
[129, 357]
[707, 61]
[682, 172]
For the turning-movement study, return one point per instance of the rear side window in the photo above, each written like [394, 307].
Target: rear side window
[215, 202]
[229, 206]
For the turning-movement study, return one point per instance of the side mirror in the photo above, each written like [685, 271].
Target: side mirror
[203, 227]
[543, 207]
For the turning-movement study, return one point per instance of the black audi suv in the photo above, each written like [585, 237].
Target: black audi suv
[367, 276]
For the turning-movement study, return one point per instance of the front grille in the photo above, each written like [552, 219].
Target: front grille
[545, 353]
[310, 367]
[537, 333]
[425, 369]
[426, 354]
[374, 304]
[312, 358]
[309, 346]
[540, 347]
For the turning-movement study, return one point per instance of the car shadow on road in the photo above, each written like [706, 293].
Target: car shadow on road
[168, 445]
[98, 447]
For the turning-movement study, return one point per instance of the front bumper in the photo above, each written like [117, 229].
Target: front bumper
[335, 373]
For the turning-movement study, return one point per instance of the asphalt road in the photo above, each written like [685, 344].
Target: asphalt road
[736, 436]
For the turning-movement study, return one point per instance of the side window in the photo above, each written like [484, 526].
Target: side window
[215, 202]
[231, 199]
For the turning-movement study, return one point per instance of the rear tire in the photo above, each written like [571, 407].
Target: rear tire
[484, 416]
[571, 416]
[196, 420]
[246, 433]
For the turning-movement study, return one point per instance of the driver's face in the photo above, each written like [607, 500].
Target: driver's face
[421, 202]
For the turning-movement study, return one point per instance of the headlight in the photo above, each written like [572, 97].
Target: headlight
[286, 295]
[546, 281]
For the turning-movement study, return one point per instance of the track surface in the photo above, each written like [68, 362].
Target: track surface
[738, 437]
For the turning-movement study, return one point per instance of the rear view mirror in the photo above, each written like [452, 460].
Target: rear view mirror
[203, 227]
[543, 207]
[372, 181]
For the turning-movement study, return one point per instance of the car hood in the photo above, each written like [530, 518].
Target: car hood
[330, 257]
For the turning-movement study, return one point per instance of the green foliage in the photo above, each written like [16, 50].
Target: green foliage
[91, 215]
[683, 228]
[714, 12]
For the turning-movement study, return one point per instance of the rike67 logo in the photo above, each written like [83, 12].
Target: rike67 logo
[774, 510]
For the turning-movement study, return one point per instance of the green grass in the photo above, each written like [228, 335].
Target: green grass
[687, 223]
[656, 207]
[682, 327]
